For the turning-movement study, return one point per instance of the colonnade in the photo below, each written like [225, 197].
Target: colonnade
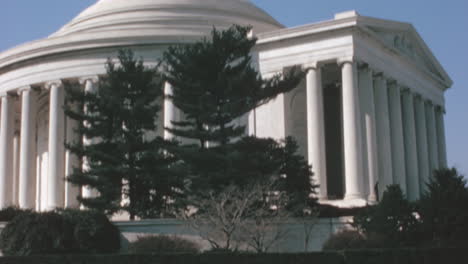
[391, 134]
[18, 187]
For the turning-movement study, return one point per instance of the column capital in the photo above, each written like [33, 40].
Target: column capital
[93, 78]
[440, 108]
[343, 60]
[379, 75]
[7, 94]
[50, 84]
[24, 89]
[315, 65]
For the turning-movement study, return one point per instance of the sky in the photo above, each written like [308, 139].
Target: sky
[442, 24]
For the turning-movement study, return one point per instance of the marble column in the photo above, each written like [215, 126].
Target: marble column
[352, 132]
[316, 129]
[169, 111]
[72, 162]
[383, 133]
[6, 150]
[16, 159]
[56, 183]
[411, 150]
[432, 137]
[421, 140]
[369, 130]
[396, 131]
[27, 179]
[441, 137]
[90, 86]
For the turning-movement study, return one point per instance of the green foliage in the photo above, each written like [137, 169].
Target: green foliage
[352, 239]
[125, 158]
[393, 218]
[7, 214]
[384, 256]
[92, 231]
[163, 245]
[215, 83]
[37, 233]
[62, 232]
[444, 209]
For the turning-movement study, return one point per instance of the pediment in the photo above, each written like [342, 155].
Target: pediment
[403, 39]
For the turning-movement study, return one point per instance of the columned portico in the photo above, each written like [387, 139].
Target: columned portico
[411, 150]
[6, 150]
[316, 129]
[352, 132]
[56, 145]
[27, 179]
[396, 131]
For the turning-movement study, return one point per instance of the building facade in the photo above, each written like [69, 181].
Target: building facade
[369, 113]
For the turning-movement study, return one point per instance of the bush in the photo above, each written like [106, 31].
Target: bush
[444, 209]
[393, 218]
[37, 233]
[353, 239]
[92, 231]
[61, 232]
[7, 214]
[163, 244]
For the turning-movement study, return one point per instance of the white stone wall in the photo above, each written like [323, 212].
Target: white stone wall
[293, 242]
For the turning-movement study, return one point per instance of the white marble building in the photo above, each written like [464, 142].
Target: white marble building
[370, 112]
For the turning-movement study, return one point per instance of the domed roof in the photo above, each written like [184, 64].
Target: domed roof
[168, 17]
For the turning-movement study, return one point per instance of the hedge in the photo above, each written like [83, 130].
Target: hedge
[405, 256]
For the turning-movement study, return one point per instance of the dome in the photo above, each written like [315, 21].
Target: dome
[167, 17]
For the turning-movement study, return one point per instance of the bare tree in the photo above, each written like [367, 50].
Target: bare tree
[220, 216]
[237, 217]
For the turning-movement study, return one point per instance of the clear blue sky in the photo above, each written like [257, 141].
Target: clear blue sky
[442, 24]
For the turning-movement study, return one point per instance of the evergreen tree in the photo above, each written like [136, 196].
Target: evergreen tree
[214, 83]
[126, 160]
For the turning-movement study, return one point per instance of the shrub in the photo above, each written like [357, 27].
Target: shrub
[163, 244]
[37, 233]
[444, 209]
[7, 214]
[92, 231]
[345, 239]
[353, 239]
[61, 232]
[393, 218]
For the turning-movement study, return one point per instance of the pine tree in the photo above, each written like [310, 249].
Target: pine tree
[127, 162]
[214, 83]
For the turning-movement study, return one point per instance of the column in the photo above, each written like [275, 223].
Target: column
[16, 159]
[369, 130]
[90, 86]
[56, 184]
[27, 172]
[411, 151]
[432, 137]
[351, 132]
[441, 137]
[169, 111]
[6, 150]
[421, 140]
[396, 131]
[72, 162]
[316, 129]
[383, 133]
